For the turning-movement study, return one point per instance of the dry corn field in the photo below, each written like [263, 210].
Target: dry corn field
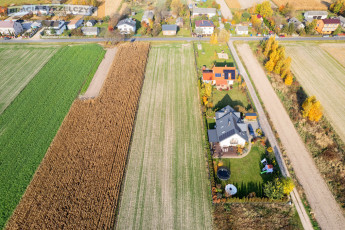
[305, 4]
[77, 184]
[321, 75]
[166, 184]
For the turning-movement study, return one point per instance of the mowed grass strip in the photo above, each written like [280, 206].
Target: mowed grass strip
[18, 66]
[166, 185]
[30, 123]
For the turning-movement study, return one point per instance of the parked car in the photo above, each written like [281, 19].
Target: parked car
[325, 36]
[251, 130]
[7, 38]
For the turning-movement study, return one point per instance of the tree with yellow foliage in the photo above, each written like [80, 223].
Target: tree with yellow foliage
[208, 90]
[312, 109]
[214, 39]
[268, 46]
[289, 79]
[287, 185]
[224, 35]
[204, 99]
[239, 79]
[264, 9]
[286, 67]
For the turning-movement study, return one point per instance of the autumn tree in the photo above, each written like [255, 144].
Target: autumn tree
[224, 35]
[287, 185]
[214, 39]
[176, 6]
[268, 45]
[285, 69]
[264, 9]
[312, 109]
[289, 79]
[274, 189]
[208, 90]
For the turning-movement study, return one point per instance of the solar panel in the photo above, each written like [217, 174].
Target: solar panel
[218, 75]
[226, 135]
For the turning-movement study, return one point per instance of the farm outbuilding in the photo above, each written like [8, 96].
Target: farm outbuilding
[251, 116]
[169, 29]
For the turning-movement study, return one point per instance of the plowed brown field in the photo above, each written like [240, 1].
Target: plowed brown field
[77, 184]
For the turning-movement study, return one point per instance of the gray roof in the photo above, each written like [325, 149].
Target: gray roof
[169, 27]
[148, 14]
[242, 28]
[204, 11]
[212, 135]
[316, 13]
[89, 29]
[342, 19]
[127, 21]
[227, 125]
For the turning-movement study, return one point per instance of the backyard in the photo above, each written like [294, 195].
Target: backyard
[206, 56]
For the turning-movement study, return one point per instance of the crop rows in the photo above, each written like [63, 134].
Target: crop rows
[78, 183]
[29, 124]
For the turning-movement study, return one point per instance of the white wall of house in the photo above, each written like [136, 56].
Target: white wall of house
[233, 140]
[206, 30]
[16, 29]
[241, 32]
[126, 29]
[75, 26]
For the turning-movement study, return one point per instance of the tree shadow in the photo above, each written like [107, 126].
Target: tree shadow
[326, 4]
[226, 100]
[243, 189]
[301, 96]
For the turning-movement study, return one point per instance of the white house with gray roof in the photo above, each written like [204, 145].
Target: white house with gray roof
[298, 25]
[210, 12]
[148, 15]
[241, 30]
[230, 129]
[10, 28]
[311, 15]
[126, 26]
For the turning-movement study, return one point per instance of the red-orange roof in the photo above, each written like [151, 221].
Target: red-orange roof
[221, 82]
[220, 69]
[207, 76]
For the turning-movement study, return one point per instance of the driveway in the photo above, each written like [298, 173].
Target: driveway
[327, 212]
[224, 9]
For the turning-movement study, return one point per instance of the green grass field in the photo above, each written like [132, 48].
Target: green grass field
[29, 124]
[206, 56]
[166, 184]
[19, 64]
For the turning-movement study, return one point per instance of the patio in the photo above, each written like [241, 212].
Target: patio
[228, 152]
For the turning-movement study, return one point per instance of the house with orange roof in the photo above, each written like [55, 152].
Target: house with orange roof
[221, 77]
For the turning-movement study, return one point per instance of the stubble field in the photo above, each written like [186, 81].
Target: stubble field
[78, 182]
[336, 50]
[305, 4]
[166, 185]
[19, 64]
[322, 76]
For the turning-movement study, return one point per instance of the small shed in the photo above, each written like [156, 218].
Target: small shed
[251, 116]
[89, 31]
[169, 29]
[91, 23]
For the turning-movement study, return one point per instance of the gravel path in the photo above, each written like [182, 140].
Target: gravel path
[100, 75]
[327, 212]
[224, 9]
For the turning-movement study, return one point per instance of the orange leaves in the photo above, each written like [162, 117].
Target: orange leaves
[312, 109]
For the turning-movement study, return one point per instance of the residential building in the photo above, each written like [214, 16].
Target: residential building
[221, 77]
[57, 26]
[230, 130]
[342, 21]
[179, 22]
[311, 15]
[205, 27]
[241, 30]
[74, 24]
[10, 28]
[90, 23]
[147, 17]
[298, 25]
[327, 26]
[127, 26]
[90, 31]
[209, 12]
[169, 29]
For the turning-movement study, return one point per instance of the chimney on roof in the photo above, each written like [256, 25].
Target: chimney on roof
[203, 67]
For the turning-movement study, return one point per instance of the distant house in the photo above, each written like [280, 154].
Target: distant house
[230, 129]
[74, 24]
[221, 77]
[10, 28]
[90, 31]
[127, 26]
[298, 25]
[58, 27]
[311, 15]
[147, 17]
[169, 29]
[205, 27]
[342, 21]
[91, 23]
[251, 116]
[241, 30]
[327, 26]
[209, 12]
[179, 22]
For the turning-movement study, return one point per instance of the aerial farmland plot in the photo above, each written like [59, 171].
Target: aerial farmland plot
[321, 75]
[166, 184]
[19, 64]
[30, 122]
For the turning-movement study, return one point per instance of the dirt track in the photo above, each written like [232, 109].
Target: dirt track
[327, 211]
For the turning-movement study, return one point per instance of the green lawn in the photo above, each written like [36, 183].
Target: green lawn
[29, 124]
[206, 56]
[245, 172]
[166, 184]
[19, 64]
[207, 4]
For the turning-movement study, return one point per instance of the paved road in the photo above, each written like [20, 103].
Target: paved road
[67, 40]
[327, 211]
[270, 135]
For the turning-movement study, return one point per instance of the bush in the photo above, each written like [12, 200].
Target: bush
[274, 189]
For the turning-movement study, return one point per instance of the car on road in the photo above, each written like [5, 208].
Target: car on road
[251, 130]
[325, 36]
[7, 38]
[133, 39]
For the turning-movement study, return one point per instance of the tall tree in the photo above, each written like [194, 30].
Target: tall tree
[264, 9]
[289, 79]
[312, 109]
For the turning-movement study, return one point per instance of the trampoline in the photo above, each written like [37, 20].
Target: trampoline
[223, 173]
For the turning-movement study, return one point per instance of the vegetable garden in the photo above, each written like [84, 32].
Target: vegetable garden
[77, 184]
[29, 124]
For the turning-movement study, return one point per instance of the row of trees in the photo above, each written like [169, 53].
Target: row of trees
[338, 7]
[276, 60]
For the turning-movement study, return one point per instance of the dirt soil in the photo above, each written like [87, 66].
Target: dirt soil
[100, 75]
[111, 6]
[78, 182]
[337, 51]
[327, 212]
[245, 4]
[305, 4]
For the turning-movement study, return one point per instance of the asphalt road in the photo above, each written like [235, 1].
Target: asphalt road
[67, 40]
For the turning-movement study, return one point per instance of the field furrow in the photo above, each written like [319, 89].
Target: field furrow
[166, 185]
